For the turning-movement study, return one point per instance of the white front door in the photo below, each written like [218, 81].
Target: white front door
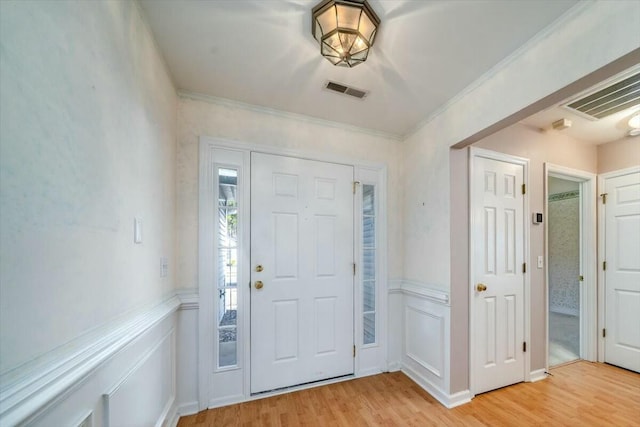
[497, 260]
[622, 274]
[302, 255]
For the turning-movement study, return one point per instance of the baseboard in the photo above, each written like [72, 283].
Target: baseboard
[168, 414]
[537, 375]
[459, 398]
[368, 372]
[427, 385]
[188, 408]
[394, 366]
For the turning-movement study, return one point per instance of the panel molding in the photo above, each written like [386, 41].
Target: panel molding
[419, 289]
[109, 396]
[439, 341]
[31, 389]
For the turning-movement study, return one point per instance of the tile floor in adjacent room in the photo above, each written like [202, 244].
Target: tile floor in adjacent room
[564, 338]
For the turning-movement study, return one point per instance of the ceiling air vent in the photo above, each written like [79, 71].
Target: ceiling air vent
[610, 100]
[346, 90]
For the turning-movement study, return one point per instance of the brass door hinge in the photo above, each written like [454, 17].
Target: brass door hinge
[354, 351]
[604, 198]
[524, 346]
[355, 184]
[604, 333]
[524, 189]
[354, 268]
[604, 265]
[524, 267]
[581, 278]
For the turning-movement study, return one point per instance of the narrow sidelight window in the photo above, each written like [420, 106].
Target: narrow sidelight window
[227, 295]
[369, 263]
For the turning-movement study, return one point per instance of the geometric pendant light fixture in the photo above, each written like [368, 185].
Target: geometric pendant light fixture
[345, 29]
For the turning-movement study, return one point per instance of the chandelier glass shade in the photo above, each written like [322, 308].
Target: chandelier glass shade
[345, 29]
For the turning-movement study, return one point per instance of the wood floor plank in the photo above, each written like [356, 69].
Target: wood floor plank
[578, 394]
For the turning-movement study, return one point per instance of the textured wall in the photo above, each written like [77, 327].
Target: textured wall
[252, 125]
[87, 142]
[564, 252]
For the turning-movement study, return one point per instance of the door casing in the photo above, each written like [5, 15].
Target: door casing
[369, 359]
[479, 152]
[588, 292]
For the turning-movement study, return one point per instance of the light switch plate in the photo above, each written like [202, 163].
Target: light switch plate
[137, 230]
[540, 261]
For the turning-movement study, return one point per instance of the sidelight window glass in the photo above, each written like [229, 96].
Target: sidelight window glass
[369, 263]
[227, 295]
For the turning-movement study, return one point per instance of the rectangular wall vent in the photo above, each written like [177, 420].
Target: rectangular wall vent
[346, 90]
[610, 100]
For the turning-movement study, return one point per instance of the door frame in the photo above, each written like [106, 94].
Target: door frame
[493, 155]
[602, 254]
[236, 381]
[588, 254]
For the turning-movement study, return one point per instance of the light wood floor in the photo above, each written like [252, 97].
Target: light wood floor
[578, 394]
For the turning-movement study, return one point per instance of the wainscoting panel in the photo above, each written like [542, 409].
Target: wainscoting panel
[146, 393]
[425, 339]
[131, 362]
[423, 352]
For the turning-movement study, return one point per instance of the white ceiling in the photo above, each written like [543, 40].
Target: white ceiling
[262, 52]
[587, 130]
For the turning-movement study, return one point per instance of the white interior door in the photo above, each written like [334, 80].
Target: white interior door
[302, 239]
[622, 274]
[497, 262]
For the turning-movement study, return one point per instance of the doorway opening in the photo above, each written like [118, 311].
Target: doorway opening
[571, 265]
[564, 268]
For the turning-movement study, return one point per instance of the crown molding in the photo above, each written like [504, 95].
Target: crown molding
[513, 56]
[285, 114]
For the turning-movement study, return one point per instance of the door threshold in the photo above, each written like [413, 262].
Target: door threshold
[303, 386]
[570, 362]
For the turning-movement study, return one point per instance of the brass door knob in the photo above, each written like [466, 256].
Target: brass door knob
[259, 284]
[259, 268]
[481, 287]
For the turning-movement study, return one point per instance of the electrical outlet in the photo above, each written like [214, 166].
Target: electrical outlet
[164, 266]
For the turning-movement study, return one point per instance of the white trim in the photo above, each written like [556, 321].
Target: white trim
[303, 153]
[459, 398]
[588, 288]
[602, 252]
[524, 162]
[33, 388]
[206, 274]
[285, 114]
[376, 176]
[447, 400]
[189, 299]
[188, 408]
[422, 290]
[538, 375]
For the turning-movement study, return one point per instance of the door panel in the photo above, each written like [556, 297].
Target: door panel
[498, 255]
[302, 236]
[622, 276]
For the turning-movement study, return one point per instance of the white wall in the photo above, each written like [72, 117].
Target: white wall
[87, 140]
[87, 143]
[237, 122]
[578, 47]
